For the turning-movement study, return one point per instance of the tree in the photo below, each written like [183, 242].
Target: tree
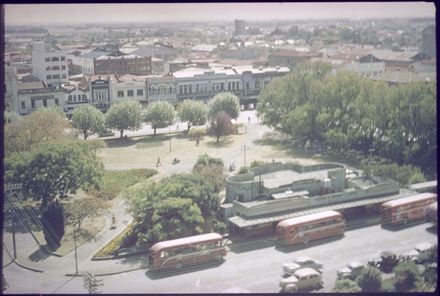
[88, 119]
[370, 280]
[80, 209]
[51, 171]
[346, 286]
[212, 169]
[226, 102]
[159, 114]
[91, 283]
[45, 124]
[10, 116]
[126, 115]
[175, 218]
[195, 112]
[405, 276]
[221, 125]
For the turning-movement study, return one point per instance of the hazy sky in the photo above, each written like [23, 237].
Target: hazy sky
[96, 13]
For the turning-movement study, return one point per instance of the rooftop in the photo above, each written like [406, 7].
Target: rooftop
[278, 178]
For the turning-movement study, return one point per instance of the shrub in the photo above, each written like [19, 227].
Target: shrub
[243, 170]
[346, 286]
[197, 133]
[405, 276]
[370, 280]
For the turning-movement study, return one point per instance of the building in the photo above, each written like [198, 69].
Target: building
[10, 89]
[101, 90]
[291, 58]
[85, 63]
[394, 60]
[129, 87]
[32, 95]
[157, 50]
[75, 95]
[239, 27]
[366, 69]
[49, 65]
[258, 200]
[161, 88]
[157, 66]
[428, 41]
[121, 64]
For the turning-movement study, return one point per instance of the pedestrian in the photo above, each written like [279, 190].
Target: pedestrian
[249, 120]
[158, 162]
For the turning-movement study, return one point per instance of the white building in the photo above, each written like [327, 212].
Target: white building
[10, 91]
[32, 95]
[86, 61]
[366, 69]
[49, 65]
[161, 88]
[129, 87]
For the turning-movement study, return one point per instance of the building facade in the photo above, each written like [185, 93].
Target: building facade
[49, 65]
[429, 41]
[123, 64]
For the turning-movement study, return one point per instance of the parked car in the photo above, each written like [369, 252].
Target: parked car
[305, 261]
[388, 260]
[302, 279]
[350, 271]
[422, 249]
[289, 268]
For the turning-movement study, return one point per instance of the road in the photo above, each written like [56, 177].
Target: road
[248, 267]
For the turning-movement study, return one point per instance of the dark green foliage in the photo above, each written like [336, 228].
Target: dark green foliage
[126, 115]
[88, 119]
[346, 111]
[212, 169]
[405, 174]
[194, 112]
[405, 276]
[219, 226]
[346, 286]
[370, 280]
[53, 224]
[159, 115]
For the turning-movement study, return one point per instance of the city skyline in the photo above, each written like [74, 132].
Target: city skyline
[28, 14]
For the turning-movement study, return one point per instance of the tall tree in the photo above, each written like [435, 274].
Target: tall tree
[405, 276]
[43, 125]
[126, 115]
[159, 114]
[51, 171]
[80, 209]
[195, 112]
[88, 119]
[221, 125]
[226, 102]
[370, 280]
[213, 169]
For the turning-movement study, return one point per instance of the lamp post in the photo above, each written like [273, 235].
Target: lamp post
[169, 135]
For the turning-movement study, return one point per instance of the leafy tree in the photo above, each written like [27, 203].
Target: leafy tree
[126, 115]
[212, 169]
[430, 274]
[197, 133]
[49, 172]
[10, 116]
[221, 125]
[405, 174]
[195, 112]
[346, 286]
[80, 209]
[43, 125]
[226, 102]
[88, 119]
[175, 218]
[91, 283]
[405, 276]
[159, 114]
[370, 280]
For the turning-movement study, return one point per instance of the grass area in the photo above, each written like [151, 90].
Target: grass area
[114, 244]
[113, 182]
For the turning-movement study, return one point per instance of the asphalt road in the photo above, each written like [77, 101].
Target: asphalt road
[251, 267]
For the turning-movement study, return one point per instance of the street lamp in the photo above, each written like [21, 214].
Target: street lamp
[76, 254]
[169, 135]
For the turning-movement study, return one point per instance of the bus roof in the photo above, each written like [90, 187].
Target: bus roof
[309, 218]
[410, 199]
[186, 241]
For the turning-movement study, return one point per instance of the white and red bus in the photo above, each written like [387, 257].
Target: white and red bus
[310, 227]
[431, 213]
[185, 251]
[404, 210]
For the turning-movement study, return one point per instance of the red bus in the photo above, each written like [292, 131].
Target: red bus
[310, 227]
[404, 210]
[186, 251]
[431, 213]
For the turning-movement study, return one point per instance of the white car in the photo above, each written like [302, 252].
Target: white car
[350, 271]
[289, 268]
[305, 261]
[304, 278]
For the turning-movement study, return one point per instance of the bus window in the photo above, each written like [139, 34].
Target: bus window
[163, 254]
[219, 244]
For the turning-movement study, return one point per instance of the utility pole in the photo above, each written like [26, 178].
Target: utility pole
[76, 255]
[13, 232]
[169, 135]
[244, 150]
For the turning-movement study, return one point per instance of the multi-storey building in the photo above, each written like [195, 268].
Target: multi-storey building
[161, 88]
[32, 95]
[428, 41]
[86, 62]
[101, 91]
[121, 64]
[129, 87]
[10, 89]
[49, 65]
[239, 27]
[291, 58]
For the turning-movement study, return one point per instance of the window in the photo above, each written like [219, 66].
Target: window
[44, 102]
[63, 67]
[56, 102]
[190, 89]
[84, 97]
[23, 105]
[32, 103]
[63, 58]
[48, 68]
[55, 59]
[47, 59]
[140, 92]
[63, 76]
[171, 89]
[55, 67]
[69, 99]
[74, 98]
[120, 93]
[222, 85]
[48, 76]
[180, 89]
[247, 85]
[129, 93]
[56, 76]
[197, 88]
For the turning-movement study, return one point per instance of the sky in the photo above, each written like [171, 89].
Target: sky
[28, 14]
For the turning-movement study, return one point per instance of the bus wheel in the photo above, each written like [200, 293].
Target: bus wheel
[306, 240]
[218, 257]
[178, 266]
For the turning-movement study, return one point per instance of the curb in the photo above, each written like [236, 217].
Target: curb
[26, 267]
[108, 273]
